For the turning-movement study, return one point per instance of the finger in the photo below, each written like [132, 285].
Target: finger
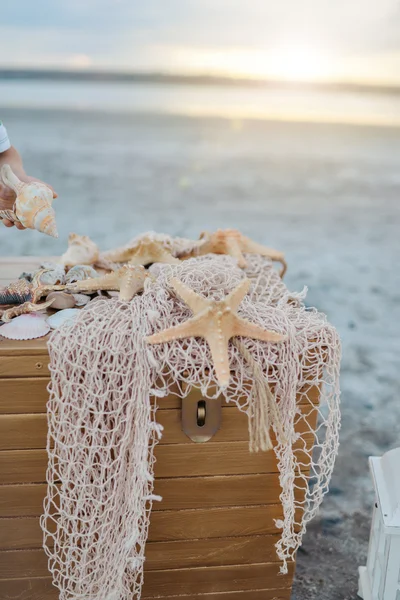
[8, 223]
[19, 226]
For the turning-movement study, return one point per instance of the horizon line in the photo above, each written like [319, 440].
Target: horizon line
[165, 77]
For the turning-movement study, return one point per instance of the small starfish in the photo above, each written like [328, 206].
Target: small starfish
[142, 252]
[231, 241]
[128, 280]
[216, 322]
[148, 252]
[24, 309]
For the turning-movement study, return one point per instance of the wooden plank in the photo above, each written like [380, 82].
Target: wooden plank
[42, 589]
[209, 580]
[180, 554]
[163, 583]
[29, 395]
[178, 493]
[25, 532]
[19, 432]
[13, 348]
[28, 589]
[175, 460]
[22, 395]
[24, 365]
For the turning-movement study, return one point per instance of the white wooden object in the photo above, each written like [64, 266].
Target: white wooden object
[380, 579]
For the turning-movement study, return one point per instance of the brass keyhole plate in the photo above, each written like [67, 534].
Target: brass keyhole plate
[201, 417]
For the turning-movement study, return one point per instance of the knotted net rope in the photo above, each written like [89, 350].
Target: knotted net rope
[105, 386]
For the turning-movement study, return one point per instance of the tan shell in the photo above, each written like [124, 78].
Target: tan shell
[80, 272]
[17, 292]
[61, 300]
[128, 280]
[33, 204]
[81, 251]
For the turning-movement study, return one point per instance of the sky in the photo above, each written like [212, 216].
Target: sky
[317, 40]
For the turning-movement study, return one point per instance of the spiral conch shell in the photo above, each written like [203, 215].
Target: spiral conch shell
[81, 251]
[33, 205]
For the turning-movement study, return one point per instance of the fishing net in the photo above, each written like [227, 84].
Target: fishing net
[106, 382]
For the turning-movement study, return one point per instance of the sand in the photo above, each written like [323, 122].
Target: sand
[326, 194]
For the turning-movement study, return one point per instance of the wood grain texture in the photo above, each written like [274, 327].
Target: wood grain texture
[42, 589]
[176, 460]
[20, 395]
[180, 493]
[24, 365]
[215, 579]
[25, 431]
[180, 554]
[25, 532]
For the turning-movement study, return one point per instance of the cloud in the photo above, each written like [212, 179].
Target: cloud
[158, 34]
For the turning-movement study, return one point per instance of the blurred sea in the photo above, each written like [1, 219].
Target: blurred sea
[314, 174]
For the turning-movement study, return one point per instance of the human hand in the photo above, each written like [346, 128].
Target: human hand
[7, 195]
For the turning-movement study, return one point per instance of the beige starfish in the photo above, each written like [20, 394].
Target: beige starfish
[216, 322]
[234, 243]
[128, 280]
[143, 252]
[151, 252]
[24, 309]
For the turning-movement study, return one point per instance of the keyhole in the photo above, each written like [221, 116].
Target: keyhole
[201, 413]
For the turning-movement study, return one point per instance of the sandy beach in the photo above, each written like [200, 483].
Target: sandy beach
[327, 195]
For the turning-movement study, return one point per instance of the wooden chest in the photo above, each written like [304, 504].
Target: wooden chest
[211, 538]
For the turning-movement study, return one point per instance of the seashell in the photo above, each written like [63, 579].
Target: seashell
[33, 204]
[50, 274]
[61, 317]
[25, 327]
[128, 280]
[23, 309]
[61, 300]
[27, 276]
[81, 251]
[17, 292]
[79, 273]
[81, 299]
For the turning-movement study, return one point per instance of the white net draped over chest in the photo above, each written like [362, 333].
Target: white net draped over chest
[106, 382]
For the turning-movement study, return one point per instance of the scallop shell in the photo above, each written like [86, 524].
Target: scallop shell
[61, 300]
[60, 317]
[79, 273]
[33, 204]
[25, 327]
[81, 251]
[17, 292]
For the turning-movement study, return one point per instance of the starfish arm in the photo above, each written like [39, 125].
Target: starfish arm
[220, 357]
[196, 302]
[166, 257]
[244, 328]
[234, 249]
[236, 296]
[254, 248]
[191, 328]
[129, 286]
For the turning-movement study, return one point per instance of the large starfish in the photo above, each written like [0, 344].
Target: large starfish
[231, 241]
[217, 322]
